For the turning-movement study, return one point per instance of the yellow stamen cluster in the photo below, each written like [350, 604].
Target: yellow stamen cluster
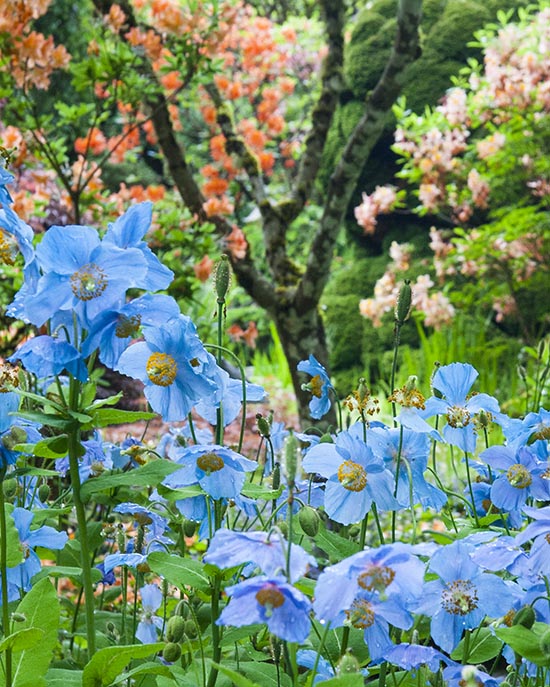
[127, 326]
[519, 476]
[9, 377]
[408, 398]
[459, 597]
[161, 369]
[8, 248]
[270, 597]
[360, 614]
[376, 578]
[352, 476]
[210, 462]
[89, 282]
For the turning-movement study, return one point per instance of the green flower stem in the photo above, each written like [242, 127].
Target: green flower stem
[396, 342]
[219, 410]
[215, 585]
[397, 470]
[378, 524]
[382, 674]
[3, 572]
[85, 556]
[470, 488]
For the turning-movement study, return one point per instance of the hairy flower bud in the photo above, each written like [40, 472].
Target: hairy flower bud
[348, 664]
[190, 629]
[10, 488]
[292, 453]
[175, 629]
[264, 428]
[43, 492]
[404, 300]
[525, 617]
[222, 278]
[309, 520]
[171, 652]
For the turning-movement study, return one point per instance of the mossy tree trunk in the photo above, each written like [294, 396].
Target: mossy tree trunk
[291, 293]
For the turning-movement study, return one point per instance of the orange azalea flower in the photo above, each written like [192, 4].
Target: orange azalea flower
[221, 81]
[203, 269]
[95, 143]
[236, 243]
[171, 81]
[209, 114]
[248, 335]
[275, 123]
[267, 162]
[215, 187]
[218, 206]
[115, 19]
[217, 147]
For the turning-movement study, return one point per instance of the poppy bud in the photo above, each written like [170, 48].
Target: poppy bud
[171, 652]
[175, 629]
[222, 278]
[348, 664]
[191, 629]
[309, 520]
[525, 616]
[404, 300]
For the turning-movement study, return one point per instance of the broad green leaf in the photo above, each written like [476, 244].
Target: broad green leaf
[483, 647]
[149, 474]
[265, 674]
[182, 572]
[60, 677]
[103, 417]
[259, 491]
[52, 447]
[13, 545]
[40, 608]
[524, 642]
[181, 493]
[72, 572]
[22, 639]
[47, 419]
[238, 680]
[108, 663]
[348, 680]
[335, 546]
[148, 668]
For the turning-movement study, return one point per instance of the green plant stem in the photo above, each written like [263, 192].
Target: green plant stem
[396, 342]
[215, 585]
[3, 572]
[470, 488]
[396, 487]
[382, 674]
[85, 556]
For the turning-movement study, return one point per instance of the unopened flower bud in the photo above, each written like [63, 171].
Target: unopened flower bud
[525, 616]
[171, 652]
[182, 609]
[222, 278]
[189, 527]
[283, 527]
[403, 307]
[309, 520]
[276, 476]
[18, 617]
[348, 664]
[292, 452]
[263, 425]
[43, 492]
[175, 629]
[191, 629]
[10, 488]
[363, 390]
[16, 435]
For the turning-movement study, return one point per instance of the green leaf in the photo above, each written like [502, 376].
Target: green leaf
[69, 571]
[265, 674]
[40, 607]
[22, 639]
[181, 493]
[52, 447]
[483, 647]
[259, 491]
[349, 680]
[238, 680]
[524, 642]
[335, 546]
[60, 677]
[103, 417]
[182, 572]
[148, 668]
[108, 663]
[47, 419]
[14, 550]
[149, 474]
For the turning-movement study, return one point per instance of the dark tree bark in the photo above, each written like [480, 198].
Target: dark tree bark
[291, 293]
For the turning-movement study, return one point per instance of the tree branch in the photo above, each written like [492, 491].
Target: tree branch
[363, 138]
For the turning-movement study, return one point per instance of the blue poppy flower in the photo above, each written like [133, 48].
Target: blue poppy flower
[46, 537]
[463, 595]
[307, 658]
[414, 656]
[231, 398]
[390, 570]
[175, 368]
[520, 476]
[154, 523]
[267, 551]
[14, 430]
[457, 676]
[93, 463]
[219, 471]
[112, 331]
[355, 478]
[149, 624]
[270, 600]
[80, 273]
[130, 560]
[533, 427]
[454, 382]
[128, 232]
[46, 356]
[16, 236]
[319, 385]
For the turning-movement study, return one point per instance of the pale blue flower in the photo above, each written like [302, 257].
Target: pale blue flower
[319, 386]
[149, 624]
[46, 356]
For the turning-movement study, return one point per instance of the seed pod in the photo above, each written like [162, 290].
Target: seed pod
[191, 629]
[348, 664]
[222, 278]
[263, 426]
[43, 492]
[189, 527]
[10, 488]
[171, 652]
[404, 301]
[175, 628]
[309, 520]
[291, 458]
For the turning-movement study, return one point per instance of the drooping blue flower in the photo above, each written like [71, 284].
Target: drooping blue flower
[533, 427]
[46, 356]
[80, 273]
[219, 470]
[154, 524]
[13, 430]
[130, 560]
[462, 596]
[539, 531]
[414, 656]
[46, 537]
[112, 331]
[307, 658]
[231, 398]
[17, 236]
[267, 551]
[319, 385]
[175, 368]
[457, 676]
[270, 600]
[355, 478]
[128, 232]
[454, 382]
[520, 476]
[414, 449]
[93, 463]
[149, 624]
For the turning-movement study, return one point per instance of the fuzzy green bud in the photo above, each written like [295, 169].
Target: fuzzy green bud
[43, 492]
[171, 652]
[292, 451]
[190, 629]
[348, 664]
[363, 390]
[525, 617]
[222, 278]
[276, 476]
[309, 520]
[182, 609]
[16, 435]
[189, 527]
[10, 488]
[264, 428]
[175, 629]
[404, 300]
[283, 528]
